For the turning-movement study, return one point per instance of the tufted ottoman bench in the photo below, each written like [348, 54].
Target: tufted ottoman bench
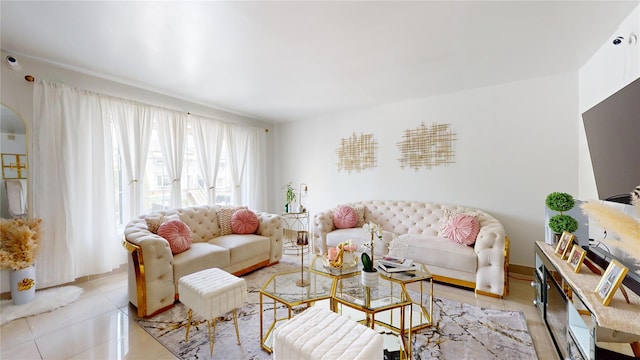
[322, 334]
[212, 293]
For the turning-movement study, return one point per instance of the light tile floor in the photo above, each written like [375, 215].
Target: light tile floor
[101, 325]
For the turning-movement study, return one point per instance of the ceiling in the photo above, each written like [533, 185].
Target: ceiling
[282, 61]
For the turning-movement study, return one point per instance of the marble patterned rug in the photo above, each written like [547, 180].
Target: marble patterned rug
[460, 331]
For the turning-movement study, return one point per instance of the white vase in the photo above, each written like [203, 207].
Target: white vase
[23, 285]
[369, 279]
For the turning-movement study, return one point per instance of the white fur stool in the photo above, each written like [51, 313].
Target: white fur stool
[322, 334]
[212, 293]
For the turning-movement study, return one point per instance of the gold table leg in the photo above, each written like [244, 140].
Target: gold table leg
[189, 316]
[235, 320]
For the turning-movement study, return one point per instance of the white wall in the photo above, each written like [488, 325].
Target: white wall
[609, 69]
[516, 142]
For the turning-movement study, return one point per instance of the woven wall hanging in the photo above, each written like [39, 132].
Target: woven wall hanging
[427, 146]
[357, 153]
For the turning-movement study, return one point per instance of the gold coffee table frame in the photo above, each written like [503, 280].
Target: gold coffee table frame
[281, 288]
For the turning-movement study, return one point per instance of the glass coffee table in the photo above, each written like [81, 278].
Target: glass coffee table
[421, 316]
[284, 288]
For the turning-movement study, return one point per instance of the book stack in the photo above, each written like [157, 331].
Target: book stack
[391, 264]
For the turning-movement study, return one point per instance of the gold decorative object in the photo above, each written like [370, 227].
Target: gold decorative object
[26, 284]
[357, 153]
[14, 166]
[427, 147]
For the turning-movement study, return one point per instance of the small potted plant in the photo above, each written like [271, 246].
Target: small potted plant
[369, 275]
[18, 250]
[560, 202]
[290, 197]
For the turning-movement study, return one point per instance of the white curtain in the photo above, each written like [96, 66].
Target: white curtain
[247, 157]
[133, 125]
[256, 170]
[172, 135]
[237, 143]
[72, 172]
[208, 135]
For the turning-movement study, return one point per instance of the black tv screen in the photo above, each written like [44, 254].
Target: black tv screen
[613, 137]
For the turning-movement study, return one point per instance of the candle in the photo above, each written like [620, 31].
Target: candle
[332, 253]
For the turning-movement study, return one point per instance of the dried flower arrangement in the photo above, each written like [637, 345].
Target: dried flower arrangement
[20, 240]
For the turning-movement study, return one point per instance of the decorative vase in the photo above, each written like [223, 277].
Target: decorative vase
[23, 285]
[369, 279]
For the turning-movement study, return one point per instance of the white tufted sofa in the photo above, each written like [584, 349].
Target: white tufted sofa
[415, 226]
[154, 271]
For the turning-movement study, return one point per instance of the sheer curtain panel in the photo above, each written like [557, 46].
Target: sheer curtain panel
[172, 135]
[133, 125]
[208, 138]
[72, 174]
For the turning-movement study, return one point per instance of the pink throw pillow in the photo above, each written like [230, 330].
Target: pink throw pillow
[244, 221]
[461, 229]
[345, 217]
[177, 234]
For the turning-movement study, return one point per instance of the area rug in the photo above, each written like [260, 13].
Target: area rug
[460, 331]
[44, 301]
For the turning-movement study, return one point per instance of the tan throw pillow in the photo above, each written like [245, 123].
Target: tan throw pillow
[153, 223]
[224, 219]
[360, 211]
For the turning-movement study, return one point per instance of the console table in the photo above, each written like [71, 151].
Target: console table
[574, 316]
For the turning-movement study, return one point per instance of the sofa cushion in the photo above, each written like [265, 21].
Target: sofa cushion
[461, 229]
[243, 247]
[360, 211]
[177, 234]
[199, 257]
[344, 217]
[244, 221]
[439, 251]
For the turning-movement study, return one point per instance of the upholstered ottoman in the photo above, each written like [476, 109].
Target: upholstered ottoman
[322, 334]
[212, 293]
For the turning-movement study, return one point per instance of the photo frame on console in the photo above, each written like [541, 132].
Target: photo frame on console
[562, 249]
[610, 281]
[576, 257]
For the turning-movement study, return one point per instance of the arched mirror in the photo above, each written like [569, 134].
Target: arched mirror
[14, 164]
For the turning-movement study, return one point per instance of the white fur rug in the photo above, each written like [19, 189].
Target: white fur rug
[44, 301]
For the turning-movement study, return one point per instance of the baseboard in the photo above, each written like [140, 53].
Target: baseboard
[80, 280]
[521, 270]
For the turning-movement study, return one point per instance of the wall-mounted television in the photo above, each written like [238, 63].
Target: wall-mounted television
[613, 135]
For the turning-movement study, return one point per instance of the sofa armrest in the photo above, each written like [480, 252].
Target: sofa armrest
[153, 261]
[322, 224]
[271, 227]
[490, 247]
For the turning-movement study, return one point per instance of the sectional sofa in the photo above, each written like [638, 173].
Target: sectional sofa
[414, 230]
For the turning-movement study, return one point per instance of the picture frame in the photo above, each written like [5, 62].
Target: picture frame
[563, 244]
[303, 238]
[610, 281]
[576, 257]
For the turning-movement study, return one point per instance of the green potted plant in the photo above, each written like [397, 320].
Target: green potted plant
[369, 275]
[561, 202]
[290, 197]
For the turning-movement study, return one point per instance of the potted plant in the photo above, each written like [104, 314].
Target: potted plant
[18, 250]
[369, 275]
[560, 202]
[290, 197]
